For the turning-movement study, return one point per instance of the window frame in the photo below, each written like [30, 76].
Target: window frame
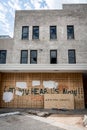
[27, 33]
[31, 57]
[21, 62]
[34, 33]
[51, 57]
[72, 35]
[3, 58]
[72, 57]
[54, 34]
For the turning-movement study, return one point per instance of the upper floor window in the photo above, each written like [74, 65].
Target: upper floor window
[25, 32]
[24, 56]
[70, 32]
[71, 56]
[53, 32]
[3, 56]
[35, 32]
[33, 57]
[53, 56]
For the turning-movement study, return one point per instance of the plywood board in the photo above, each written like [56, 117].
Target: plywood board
[65, 83]
[60, 101]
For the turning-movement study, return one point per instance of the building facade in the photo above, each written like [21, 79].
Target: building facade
[46, 57]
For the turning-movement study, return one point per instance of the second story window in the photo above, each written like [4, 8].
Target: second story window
[71, 57]
[24, 56]
[3, 56]
[33, 57]
[53, 32]
[25, 32]
[35, 33]
[70, 32]
[53, 56]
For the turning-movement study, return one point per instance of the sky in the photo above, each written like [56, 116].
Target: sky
[8, 7]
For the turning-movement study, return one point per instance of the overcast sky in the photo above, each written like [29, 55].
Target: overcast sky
[8, 7]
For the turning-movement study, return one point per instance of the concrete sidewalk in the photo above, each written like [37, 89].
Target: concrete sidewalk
[25, 122]
[58, 121]
[57, 124]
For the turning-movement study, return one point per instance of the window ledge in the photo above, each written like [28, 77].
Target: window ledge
[53, 39]
[43, 68]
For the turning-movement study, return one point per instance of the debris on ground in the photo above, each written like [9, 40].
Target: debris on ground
[85, 121]
[43, 114]
[62, 109]
[39, 113]
[10, 113]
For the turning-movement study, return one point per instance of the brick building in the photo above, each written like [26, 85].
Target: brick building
[45, 58]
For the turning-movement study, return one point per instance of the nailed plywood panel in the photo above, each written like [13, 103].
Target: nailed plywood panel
[66, 83]
[59, 101]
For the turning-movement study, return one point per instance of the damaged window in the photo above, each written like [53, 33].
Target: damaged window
[53, 56]
[35, 32]
[33, 56]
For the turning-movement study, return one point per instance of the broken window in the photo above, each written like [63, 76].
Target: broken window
[53, 56]
[33, 56]
[35, 34]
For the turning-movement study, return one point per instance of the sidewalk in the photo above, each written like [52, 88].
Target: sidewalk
[25, 122]
[58, 123]
[64, 119]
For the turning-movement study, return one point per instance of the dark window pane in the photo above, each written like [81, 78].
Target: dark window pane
[53, 33]
[24, 56]
[53, 56]
[24, 53]
[25, 32]
[71, 56]
[70, 32]
[24, 60]
[35, 34]
[3, 56]
[33, 57]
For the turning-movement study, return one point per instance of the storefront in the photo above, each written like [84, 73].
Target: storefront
[30, 90]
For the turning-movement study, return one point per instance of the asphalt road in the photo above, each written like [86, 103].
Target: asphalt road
[24, 122]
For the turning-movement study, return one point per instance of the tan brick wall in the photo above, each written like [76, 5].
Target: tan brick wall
[71, 15]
